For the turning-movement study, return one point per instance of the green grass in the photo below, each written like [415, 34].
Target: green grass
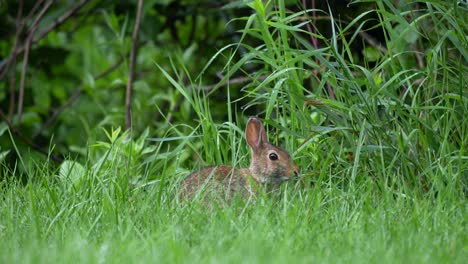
[100, 221]
[384, 167]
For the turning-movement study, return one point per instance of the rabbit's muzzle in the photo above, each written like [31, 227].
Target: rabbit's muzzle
[282, 174]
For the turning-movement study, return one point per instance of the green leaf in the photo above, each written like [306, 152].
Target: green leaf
[3, 154]
[3, 128]
[71, 172]
[411, 35]
[371, 54]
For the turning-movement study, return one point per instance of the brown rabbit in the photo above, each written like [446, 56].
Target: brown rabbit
[270, 166]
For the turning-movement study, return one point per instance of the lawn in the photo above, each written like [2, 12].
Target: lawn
[101, 220]
[376, 124]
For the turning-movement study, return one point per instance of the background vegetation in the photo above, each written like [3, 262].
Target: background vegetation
[369, 97]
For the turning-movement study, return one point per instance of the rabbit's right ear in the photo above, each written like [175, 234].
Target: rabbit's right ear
[255, 133]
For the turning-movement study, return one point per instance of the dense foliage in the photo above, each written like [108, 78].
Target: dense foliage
[369, 97]
[76, 74]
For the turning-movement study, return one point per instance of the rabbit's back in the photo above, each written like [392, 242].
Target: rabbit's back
[223, 180]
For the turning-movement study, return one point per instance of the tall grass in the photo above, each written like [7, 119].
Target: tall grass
[383, 160]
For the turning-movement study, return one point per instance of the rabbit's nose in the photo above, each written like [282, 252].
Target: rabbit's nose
[296, 170]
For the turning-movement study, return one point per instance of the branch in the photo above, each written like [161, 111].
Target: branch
[60, 20]
[314, 40]
[27, 141]
[26, 57]
[309, 28]
[56, 113]
[128, 97]
[74, 97]
[7, 62]
[42, 34]
[19, 29]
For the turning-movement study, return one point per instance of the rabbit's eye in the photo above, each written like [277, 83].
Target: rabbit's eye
[273, 156]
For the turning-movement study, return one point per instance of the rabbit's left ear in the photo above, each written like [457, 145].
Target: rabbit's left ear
[255, 133]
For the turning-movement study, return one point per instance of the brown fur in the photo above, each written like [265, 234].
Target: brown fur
[228, 182]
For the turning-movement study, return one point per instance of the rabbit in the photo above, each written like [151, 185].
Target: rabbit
[270, 166]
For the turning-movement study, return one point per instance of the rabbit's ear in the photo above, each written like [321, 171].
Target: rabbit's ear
[255, 133]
